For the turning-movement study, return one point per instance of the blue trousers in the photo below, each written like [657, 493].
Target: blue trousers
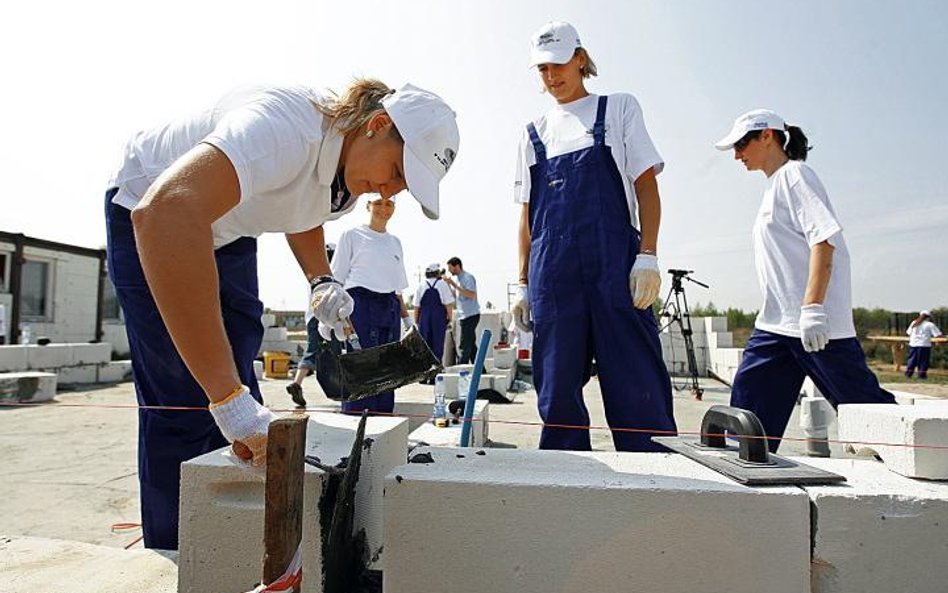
[919, 356]
[377, 319]
[772, 371]
[166, 438]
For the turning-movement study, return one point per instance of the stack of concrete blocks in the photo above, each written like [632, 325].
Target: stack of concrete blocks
[712, 345]
[222, 506]
[71, 363]
[27, 387]
[422, 430]
[912, 440]
[275, 339]
[542, 521]
[878, 532]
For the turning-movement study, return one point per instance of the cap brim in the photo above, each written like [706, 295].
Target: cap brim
[422, 185]
[727, 143]
[543, 56]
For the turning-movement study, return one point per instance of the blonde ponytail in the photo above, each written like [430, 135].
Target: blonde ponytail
[357, 104]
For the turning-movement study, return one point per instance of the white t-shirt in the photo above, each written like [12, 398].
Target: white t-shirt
[283, 150]
[371, 260]
[568, 128]
[444, 291]
[921, 335]
[795, 215]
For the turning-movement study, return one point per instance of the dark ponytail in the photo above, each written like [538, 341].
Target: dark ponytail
[797, 147]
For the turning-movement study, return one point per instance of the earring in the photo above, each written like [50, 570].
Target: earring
[369, 133]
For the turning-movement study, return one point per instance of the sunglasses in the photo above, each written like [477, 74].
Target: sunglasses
[741, 144]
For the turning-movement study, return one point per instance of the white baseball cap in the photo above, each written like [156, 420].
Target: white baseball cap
[925, 313]
[433, 268]
[758, 119]
[554, 43]
[430, 131]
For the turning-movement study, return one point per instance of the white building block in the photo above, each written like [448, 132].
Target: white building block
[274, 334]
[713, 324]
[222, 505]
[909, 429]
[258, 369]
[505, 358]
[86, 373]
[27, 386]
[907, 398]
[555, 521]
[878, 532]
[98, 353]
[12, 358]
[720, 340]
[115, 371]
[424, 431]
[51, 356]
[268, 320]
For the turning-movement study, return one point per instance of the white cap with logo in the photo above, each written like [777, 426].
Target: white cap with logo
[433, 268]
[758, 119]
[430, 131]
[554, 43]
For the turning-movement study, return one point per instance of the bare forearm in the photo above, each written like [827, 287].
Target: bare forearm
[821, 269]
[523, 242]
[177, 256]
[650, 211]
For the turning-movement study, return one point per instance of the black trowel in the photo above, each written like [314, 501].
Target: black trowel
[348, 373]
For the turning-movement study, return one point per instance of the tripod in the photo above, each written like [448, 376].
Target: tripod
[677, 311]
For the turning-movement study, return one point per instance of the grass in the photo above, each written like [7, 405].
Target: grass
[887, 374]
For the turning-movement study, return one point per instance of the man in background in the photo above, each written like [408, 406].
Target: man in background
[464, 286]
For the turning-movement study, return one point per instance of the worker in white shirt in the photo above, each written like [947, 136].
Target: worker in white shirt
[183, 210]
[586, 179]
[805, 326]
[370, 264]
[920, 333]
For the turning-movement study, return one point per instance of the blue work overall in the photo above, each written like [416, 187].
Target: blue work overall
[582, 249]
[433, 319]
[166, 438]
[376, 319]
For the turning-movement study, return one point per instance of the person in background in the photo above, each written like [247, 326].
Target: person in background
[434, 308]
[183, 210]
[586, 180]
[370, 264]
[805, 326]
[920, 333]
[464, 286]
[307, 365]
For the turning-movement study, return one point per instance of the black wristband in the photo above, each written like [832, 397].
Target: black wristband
[320, 280]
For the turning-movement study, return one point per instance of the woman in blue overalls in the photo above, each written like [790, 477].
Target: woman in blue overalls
[587, 276]
[434, 308]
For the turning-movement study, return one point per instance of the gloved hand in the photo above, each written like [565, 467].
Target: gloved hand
[407, 323]
[331, 305]
[241, 419]
[644, 281]
[521, 309]
[814, 327]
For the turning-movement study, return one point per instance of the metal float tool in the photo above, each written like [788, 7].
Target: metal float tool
[749, 462]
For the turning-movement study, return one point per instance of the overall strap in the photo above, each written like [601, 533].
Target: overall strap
[538, 148]
[599, 128]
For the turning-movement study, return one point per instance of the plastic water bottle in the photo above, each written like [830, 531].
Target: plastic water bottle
[440, 411]
[25, 333]
[464, 384]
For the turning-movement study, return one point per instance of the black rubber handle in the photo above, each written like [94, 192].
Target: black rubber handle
[740, 422]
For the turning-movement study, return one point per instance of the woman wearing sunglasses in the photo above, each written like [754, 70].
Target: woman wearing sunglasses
[805, 326]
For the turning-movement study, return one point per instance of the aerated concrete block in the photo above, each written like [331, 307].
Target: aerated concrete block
[12, 358]
[115, 371]
[505, 358]
[98, 353]
[222, 505]
[47, 357]
[86, 373]
[878, 532]
[274, 334]
[258, 369]
[424, 431]
[720, 340]
[27, 386]
[268, 320]
[714, 324]
[555, 521]
[907, 433]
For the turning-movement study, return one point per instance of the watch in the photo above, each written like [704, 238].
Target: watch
[320, 280]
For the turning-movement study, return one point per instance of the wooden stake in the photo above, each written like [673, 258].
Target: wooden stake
[283, 515]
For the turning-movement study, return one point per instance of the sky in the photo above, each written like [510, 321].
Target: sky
[867, 81]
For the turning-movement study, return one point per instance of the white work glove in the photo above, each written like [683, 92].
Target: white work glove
[521, 309]
[241, 419]
[331, 305]
[644, 281]
[814, 327]
[407, 323]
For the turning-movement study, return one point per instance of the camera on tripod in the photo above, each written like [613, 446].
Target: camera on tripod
[676, 309]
